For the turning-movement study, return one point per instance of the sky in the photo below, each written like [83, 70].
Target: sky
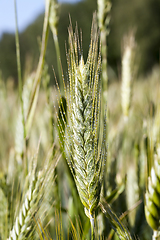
[27, 11]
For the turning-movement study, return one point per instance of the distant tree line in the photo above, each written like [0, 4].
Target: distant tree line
[142, 15]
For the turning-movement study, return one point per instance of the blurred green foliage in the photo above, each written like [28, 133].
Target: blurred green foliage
[142, 15]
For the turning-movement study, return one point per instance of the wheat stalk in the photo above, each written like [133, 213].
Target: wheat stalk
[85, 148]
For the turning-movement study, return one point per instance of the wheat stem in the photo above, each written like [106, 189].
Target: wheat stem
[20, 86]
[37, 79]
[155, 235]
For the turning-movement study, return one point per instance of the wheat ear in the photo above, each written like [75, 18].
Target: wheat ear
[127, 72]
[104, 8]
[85, 148]
[152, 197]
[53, 22]
[19, 134]
[23, 221]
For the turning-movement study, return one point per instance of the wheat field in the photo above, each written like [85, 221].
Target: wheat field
[80, 160]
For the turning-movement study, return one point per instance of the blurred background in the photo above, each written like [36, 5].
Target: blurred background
[141, 15]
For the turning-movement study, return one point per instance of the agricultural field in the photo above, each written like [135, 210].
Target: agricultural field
[80, 159]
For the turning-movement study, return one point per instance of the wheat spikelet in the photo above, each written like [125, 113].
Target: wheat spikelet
[104, 7]
[127, 72]
[37, 184]
[152, 197]
[132, 193]
[23, 220]
[53, 17]
[84, 144]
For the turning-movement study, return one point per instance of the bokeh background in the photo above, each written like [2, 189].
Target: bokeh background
[141, 15]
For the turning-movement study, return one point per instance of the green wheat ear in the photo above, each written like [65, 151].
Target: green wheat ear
[152, 197]
[84, 135]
